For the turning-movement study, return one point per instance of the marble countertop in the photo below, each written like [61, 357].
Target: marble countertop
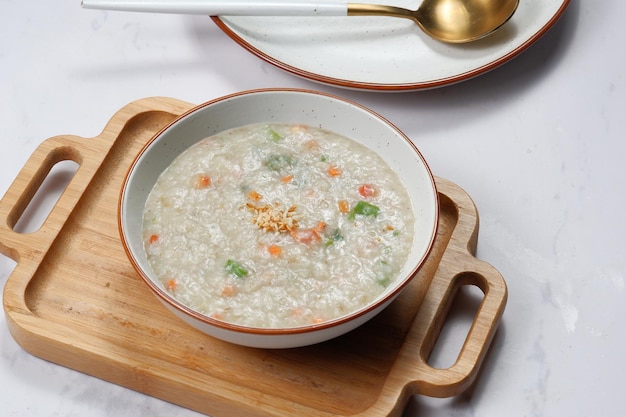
[538, 143]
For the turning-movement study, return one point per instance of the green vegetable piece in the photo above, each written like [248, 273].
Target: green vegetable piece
[384, 274]
[383, 281]
[278, 162]
[334, 237]
[274, 136]
[364, 208]
[235, 268]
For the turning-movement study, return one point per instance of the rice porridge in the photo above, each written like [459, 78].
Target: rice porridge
[275, 226]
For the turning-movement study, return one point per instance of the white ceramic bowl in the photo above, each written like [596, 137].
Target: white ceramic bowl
[279, 106]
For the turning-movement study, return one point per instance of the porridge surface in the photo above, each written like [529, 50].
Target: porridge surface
[277, 226]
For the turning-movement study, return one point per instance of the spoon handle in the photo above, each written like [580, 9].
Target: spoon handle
[225, 7]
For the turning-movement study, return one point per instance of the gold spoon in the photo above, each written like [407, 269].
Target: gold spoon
[453, 21]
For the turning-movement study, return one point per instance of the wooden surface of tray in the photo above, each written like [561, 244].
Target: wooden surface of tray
[74, 299]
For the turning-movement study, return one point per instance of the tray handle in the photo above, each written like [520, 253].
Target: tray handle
[22, 247]
[89, 154]
[457, 268]
[448, 382]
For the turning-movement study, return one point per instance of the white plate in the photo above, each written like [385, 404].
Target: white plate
[385, 53]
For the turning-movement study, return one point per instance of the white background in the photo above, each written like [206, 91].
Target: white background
[538, 143]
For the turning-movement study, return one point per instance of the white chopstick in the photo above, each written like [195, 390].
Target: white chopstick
[224, 8]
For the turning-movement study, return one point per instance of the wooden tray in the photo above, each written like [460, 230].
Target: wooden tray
[74, 299]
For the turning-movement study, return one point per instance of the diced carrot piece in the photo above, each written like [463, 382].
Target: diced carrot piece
[286, 179]
[312, 145]
[171, 284]
[344, 207]
[229, 291]
[153, 239]
[274, 250]
[319, 228]
[298, 128]
[369, 190]
[317, 320]
[334, 171]
[253, 195]
[306, 236]
[202, 181]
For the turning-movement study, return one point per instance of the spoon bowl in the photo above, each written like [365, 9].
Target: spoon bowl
[452, 21]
